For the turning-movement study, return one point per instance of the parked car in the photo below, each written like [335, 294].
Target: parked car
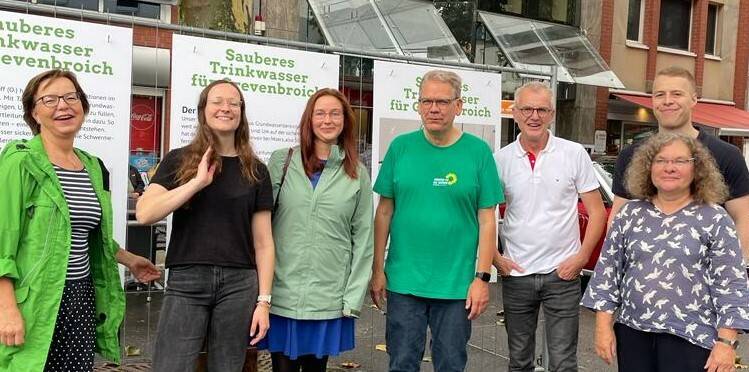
[604, 168]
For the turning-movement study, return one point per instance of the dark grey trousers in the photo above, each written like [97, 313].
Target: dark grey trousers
[523, 297]
[210, 303]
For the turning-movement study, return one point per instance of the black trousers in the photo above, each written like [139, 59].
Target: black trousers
[638, 351]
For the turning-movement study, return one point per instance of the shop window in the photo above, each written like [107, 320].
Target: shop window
[634, 20]
[675, 24]
[711, 38]
[559, 11]
[76, 4]
[133, 8]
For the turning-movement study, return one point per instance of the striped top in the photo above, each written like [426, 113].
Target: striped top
[85, 214]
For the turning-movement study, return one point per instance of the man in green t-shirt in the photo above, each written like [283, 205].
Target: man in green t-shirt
[438, 191]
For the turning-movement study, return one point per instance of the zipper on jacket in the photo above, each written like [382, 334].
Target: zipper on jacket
[38, 265]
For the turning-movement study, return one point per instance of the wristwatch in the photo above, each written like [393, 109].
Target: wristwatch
[732, 343]
[483, 276]
[264, 298]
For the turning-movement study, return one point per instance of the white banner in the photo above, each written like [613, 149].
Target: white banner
[396, 94]
[101, 57]
[275, 82]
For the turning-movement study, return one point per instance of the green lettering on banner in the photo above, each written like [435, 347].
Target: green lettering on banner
[55, 51]
[482, 112]
[257, 59]
[99, 68]
[200, 80]
[23, 27]
[248, 71]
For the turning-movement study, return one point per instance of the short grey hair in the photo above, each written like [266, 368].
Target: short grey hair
[536, 86]
[443, 76]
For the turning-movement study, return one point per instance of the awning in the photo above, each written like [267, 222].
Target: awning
[537, 45]
[729, 119]
[404, 27]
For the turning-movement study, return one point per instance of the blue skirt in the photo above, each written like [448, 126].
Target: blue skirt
[295, 337]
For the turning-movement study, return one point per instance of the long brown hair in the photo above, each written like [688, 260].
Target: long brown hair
[205, 137]
[346, 139]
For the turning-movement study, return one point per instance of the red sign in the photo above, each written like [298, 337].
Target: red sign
[145, 124]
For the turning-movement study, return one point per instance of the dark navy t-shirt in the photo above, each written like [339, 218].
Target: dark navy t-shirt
[729, 159]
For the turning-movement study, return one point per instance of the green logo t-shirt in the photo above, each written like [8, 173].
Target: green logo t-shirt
[437, 192]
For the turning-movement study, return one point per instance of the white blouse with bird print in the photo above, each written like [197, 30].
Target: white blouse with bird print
[680, 273]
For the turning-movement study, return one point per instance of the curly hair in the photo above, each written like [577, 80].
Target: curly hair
[707, 186]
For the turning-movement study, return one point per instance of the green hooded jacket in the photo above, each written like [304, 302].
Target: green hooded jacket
[323, 239]
[34, 249]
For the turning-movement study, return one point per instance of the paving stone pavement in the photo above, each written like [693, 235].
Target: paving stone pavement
[487, 349]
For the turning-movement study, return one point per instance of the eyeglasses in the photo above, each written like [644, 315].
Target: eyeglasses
[678, 162]
[334, 115]
[51, 100]
[234, 104]
[441, 103]
[542, 112]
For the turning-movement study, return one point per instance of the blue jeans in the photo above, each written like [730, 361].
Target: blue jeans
[523, 297]
[406, 326]
[205, 304]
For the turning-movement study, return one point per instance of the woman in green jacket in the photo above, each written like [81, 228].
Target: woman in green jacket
[60, 292]
[322, 228]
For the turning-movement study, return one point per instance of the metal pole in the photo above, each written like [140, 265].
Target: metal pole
[553, 83]
[116, 19]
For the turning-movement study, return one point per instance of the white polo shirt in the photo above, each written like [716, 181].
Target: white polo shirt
[541, 227]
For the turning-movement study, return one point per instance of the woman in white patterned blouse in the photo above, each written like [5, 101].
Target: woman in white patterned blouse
[671, 266]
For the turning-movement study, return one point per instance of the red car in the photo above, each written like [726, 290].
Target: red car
[605, 180]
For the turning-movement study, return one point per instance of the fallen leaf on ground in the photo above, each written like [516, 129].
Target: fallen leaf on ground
[132, 351]
[350, 365]
[381, 347]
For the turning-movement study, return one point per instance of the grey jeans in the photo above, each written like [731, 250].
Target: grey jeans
[204, 303]
[523, 297]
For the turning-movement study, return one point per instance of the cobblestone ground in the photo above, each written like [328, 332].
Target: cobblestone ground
[487, 349]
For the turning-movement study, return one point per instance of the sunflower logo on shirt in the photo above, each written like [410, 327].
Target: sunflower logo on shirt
[448, 180]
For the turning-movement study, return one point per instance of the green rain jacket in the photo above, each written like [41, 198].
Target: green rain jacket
[34, 249]
[323, 239]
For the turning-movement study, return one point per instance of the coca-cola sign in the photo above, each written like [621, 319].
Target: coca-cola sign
[145, 122]
[141, 116]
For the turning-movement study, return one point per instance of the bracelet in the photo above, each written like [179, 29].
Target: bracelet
[732, 343]
[265, 298]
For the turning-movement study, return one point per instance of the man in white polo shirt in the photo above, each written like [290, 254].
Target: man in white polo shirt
[543, 176]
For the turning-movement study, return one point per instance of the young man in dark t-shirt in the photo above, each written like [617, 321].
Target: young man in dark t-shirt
[674, 97]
